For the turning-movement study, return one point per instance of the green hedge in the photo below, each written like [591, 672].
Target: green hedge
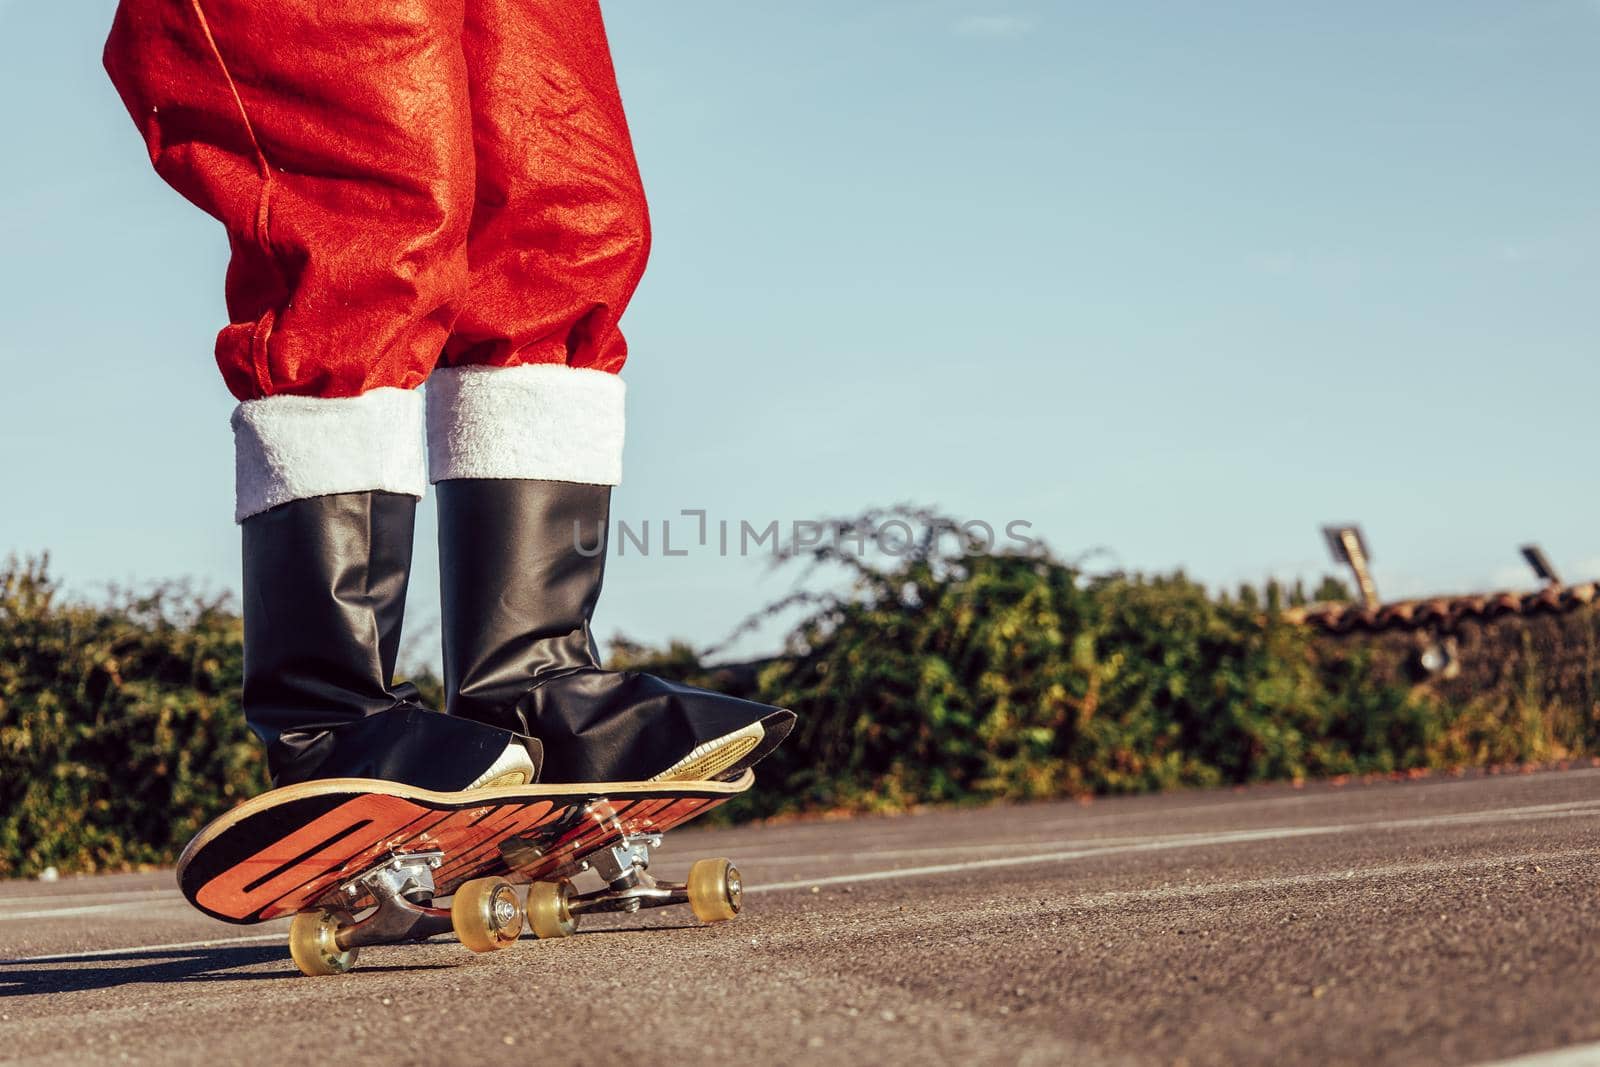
[119, 726]
[936, 677]
[972, 677]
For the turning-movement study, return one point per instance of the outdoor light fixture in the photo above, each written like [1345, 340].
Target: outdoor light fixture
[1438, 658]
[1350, 548]
[1541, 566]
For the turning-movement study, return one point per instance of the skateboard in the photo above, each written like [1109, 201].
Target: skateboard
[357, 862]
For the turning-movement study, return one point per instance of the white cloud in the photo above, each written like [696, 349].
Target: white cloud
[992, 26]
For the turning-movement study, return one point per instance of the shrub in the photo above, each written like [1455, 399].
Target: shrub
[120, 733]
[973, 676]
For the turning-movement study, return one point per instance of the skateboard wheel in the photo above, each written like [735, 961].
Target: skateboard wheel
[548, 913]
[715, 890]
[486, 914]
[314, 943]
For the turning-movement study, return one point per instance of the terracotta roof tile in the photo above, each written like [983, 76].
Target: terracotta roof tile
[1443, 612]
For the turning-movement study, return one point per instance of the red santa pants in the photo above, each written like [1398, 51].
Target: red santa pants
[419, 190]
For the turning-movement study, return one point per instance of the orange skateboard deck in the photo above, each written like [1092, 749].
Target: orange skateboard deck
[361, 862]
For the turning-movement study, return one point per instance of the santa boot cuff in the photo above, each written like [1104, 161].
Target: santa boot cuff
[544, 421]
[296, 447]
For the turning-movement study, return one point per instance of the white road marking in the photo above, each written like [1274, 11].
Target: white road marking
[1467, 816]
[87, 909]
[176, 946]
[1574, 809]
[59, 898]
[1090, 815]
[1542, 811]
[753, 856]
[1572, 1056]
[1550, 1059]
[1048, 832]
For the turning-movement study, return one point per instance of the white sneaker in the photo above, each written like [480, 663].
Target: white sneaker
[512, 767]
[712, 758]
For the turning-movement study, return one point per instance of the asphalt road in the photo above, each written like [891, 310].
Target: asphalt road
[1453, 921]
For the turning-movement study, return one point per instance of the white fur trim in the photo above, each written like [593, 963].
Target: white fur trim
[295, 447]
[541, 420]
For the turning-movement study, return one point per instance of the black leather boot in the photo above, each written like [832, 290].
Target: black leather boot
[324, 590]
[521, 563]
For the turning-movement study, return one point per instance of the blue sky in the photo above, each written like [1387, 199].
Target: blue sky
[1182, 281]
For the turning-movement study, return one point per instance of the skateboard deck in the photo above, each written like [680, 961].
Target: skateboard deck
[326, 852]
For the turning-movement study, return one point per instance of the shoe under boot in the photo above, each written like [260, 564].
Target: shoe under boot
[521, 565]
[324, 593]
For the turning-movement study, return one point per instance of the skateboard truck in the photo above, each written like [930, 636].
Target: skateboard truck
[403, 889]
[484, 914]
[629, 886]
[714, 889]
